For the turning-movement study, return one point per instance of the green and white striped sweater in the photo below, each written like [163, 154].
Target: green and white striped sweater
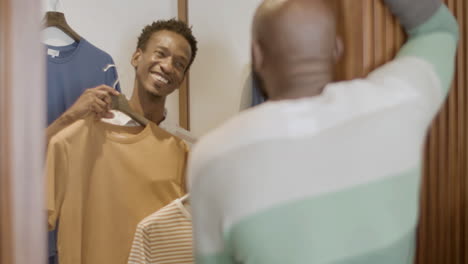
[332, 179]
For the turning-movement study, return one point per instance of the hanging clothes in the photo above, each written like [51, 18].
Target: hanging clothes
[102, 180]
[164, 237]
[71, 70]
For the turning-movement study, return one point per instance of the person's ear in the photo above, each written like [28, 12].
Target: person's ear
[339, 49]
[257, 57]
[136, 58]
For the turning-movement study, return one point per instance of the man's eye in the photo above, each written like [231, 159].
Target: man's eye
[180, 65]
[159, 54]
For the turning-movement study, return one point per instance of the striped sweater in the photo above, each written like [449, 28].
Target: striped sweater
[332, 179]
[164, 237]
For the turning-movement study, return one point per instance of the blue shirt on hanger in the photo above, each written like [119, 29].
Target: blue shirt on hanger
[70, 71]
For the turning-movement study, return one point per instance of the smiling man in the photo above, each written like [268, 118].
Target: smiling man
[164, 53]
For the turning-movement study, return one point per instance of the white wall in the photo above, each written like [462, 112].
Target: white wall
[113, 26]
[218, 78]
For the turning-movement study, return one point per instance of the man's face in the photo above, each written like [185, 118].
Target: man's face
[160, 68]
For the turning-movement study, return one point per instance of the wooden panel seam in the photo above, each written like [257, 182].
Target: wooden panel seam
[184, 91]
[6, 213]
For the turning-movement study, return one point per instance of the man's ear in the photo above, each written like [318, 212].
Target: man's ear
[257, 56]
[136, 57]
[339, 49]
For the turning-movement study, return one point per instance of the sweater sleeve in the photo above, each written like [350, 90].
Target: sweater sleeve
[433, 35]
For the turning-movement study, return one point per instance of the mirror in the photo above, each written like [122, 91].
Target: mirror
[219, 84]
[220, 87]
[113, 27]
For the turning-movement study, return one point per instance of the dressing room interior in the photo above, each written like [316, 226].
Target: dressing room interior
[249, 131]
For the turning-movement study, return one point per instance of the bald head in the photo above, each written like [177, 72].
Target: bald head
[294, 36]
[296, 27]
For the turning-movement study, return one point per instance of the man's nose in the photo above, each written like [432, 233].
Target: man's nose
[166, 65]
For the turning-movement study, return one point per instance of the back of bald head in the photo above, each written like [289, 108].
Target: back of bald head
[295, 30]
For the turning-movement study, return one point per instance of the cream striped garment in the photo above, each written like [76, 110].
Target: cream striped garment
[164, 237]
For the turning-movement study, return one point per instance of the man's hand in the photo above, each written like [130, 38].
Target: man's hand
[96, 101]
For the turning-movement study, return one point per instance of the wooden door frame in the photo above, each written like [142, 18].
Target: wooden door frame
[6, 245]
[22, 125]
[184, 91]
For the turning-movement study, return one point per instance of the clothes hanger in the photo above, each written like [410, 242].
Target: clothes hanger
[185, 202]
[185, 198]
[120, 102]
[57, 19]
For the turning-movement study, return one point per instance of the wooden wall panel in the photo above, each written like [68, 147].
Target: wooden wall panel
[443, 232]
[184, 91]
[6, 221]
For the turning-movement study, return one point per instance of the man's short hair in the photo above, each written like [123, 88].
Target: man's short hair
[173, 25]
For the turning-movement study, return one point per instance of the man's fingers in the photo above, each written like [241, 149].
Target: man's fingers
[108, 100]
[95, 107]
[101, 103]
[107, 115]
[104, 97]
[97, 116]
[108, 89]
[101, 94]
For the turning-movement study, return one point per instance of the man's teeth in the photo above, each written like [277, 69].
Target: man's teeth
[160, 78]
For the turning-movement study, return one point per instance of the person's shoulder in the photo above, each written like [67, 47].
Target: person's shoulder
[400, 81]
[73, 129]
[408, 78]
[404, 68]
[71, 132]
[246, 128]
[187, 137]
[160, 131]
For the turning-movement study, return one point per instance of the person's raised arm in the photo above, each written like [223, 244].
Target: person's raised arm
[95, 101]
[433, 34]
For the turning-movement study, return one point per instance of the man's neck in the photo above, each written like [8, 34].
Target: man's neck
[150, 106]
[300, 83]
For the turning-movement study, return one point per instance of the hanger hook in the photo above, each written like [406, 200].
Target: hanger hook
[107, 68]
[56, 4]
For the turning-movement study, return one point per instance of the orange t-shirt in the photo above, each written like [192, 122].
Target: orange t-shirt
[103, 180]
